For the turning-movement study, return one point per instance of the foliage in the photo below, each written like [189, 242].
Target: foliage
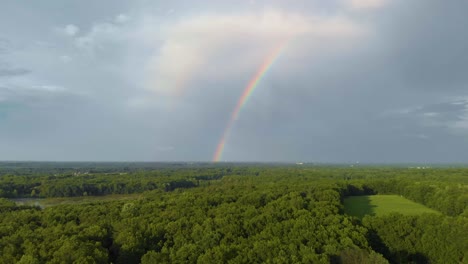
[270, 214]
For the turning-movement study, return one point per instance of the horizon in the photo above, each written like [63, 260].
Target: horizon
[298, 163]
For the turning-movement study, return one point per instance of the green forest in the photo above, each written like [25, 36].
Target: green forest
[233, 213]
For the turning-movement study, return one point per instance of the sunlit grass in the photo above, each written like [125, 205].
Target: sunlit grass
[383, 204]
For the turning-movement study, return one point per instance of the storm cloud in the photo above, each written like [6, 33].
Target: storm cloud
[359, 80]
[12, 71]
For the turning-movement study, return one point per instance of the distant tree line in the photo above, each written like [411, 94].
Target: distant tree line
[72, 185]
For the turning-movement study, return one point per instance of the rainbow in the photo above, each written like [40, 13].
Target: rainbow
[246, 94]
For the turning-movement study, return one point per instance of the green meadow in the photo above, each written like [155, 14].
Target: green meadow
[378, 205]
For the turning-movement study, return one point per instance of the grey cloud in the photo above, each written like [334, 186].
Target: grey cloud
[13, 72]
[451, 115]
[71, 30]
[324, 103]
[445, 110]
[425, 43]
[39, 96]
[5, 69]
[447, 117]
[3, 45]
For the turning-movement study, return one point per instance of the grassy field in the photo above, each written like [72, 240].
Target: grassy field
[382, 204]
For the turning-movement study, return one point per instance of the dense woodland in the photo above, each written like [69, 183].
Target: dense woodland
[232, 214]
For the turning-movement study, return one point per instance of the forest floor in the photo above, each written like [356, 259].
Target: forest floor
[378, 205]
[48, 202]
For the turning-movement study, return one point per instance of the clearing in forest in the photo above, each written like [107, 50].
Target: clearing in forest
[360, 206]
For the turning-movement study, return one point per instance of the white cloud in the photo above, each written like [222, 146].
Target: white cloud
[48, 88]
[400, 111]
[107, 32]
[431, 114]
[452, 119]
[71, 30]
[459, 100]
[65, 58]
[461, 124]
[365, 4]
[121, 18]
[165, 56]
[31, 93]
[98, 33]
[217, 46]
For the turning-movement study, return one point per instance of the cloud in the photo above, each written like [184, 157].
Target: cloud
[460, 124]
[451, 115]
[105, 32]
[365, 4]
[3, 45]
[48, 88]
[104, 36]
[424, 43]
[65, 58]
[193, 48]
[71, 30]
[121, 18]
[34, 94]
[400, 111]
[422, 136]
[10, 72]
[5, 69]
[431, 114]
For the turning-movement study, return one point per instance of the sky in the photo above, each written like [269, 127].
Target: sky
[380, 81]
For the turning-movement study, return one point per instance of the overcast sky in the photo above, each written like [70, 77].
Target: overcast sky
[359, 80]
